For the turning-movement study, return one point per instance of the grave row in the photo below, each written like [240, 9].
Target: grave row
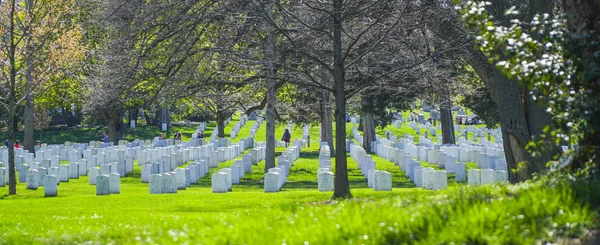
[276, 177]
[324, 174]
[377, 179]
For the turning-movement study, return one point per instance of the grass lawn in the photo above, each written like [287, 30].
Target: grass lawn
[299, 214]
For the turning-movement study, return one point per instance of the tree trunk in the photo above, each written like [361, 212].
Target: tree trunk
[164, 114]
[342, 187]
[505, 92]
[28, 118]
[221, 124]
[133, 115]
[112, 127]
[327, 122]
[446, 120]
[368, 125]
[271, 91]
[12, 181]
[513, 121]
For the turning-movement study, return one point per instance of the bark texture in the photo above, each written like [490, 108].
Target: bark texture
[368, 124]
[446, 120]
[327, 121]
[271, 91]
[342, 187]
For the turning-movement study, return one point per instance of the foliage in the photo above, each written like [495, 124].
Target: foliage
[550, 60]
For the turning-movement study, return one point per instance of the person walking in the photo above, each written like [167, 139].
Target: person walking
[17, 145]
[105, 139]
[286, 137]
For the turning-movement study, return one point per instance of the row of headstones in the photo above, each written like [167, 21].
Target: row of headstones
[198, 170]
[428, 178]
[424, 178]
[256, 126]
[462, 153]
[236, 128]
[223, 180]
[178, 179]
[324, 174]
[276, 177]
[379, 180]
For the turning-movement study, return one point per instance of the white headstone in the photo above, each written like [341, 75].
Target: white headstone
[383, 181]
[32, 179]
[229, 179]
[94, 172]
[487, 176]
[102, 185]
[325, 181]
[474, 177]
[460, 172]
[219, 182]
[63, 173]
[115, 183]
[155, 184]
[272, 182]
[50, 186]
[74, 170]
[180, 178]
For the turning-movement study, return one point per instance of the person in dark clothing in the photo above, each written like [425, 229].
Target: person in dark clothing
[286, 137]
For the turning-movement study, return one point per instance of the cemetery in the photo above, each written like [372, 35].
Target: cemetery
[299, 122]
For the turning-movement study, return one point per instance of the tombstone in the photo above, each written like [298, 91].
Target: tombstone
[411, 169]
[166, 183]
[188, 177]
[219, 182]
[120, 167]
[102, 185]
[74, 170]
[106, 169]
[460, 172]
[450, 164]
[272, 182]
[146, 169]
[235, 174]
[441, 180]
[487, 176]
[50, 186]
[474, 177]
[325, 181]
[22, 169]
[54, 171]
[63, 173]
[94, 172]
[115, 183]
[155, 184]
[419, 176]
[2, 176]
[32, 179]
[128, 164]
[54, 161]
[501, 176]
[155, 169]
[229, 179]
[370, 177]
[428, 178]
[180, 178]
[83, 167]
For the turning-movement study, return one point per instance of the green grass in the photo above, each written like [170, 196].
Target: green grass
[504, 214]
[299, 214]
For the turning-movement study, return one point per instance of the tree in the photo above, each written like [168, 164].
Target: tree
[149, 43]
[32, 42]
[342, 38]
[520, 120]
[556, 64]
[53, 49]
